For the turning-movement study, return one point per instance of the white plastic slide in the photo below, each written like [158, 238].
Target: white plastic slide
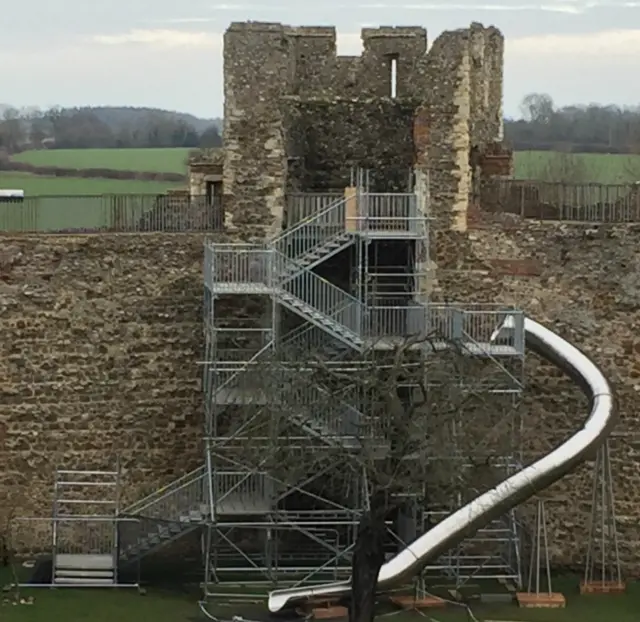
[506, 495]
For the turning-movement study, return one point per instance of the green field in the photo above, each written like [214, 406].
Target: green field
[55, 203]
[544, 165]
[152, 160]
[540, 165]
[34, 185]
[577, 168]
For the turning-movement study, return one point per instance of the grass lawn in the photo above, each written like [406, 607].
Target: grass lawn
[34, 185]
[594, 167]
[126, 605]
[72, 203]
[156, 160]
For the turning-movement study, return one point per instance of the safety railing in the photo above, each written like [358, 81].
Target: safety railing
[237, 345]
[477, 323]
[237, 267]
[570, 202]
[245, 375]
[319, 295]
[392, 213]
[112, 213]
[302, 206]
[317, 408]
[396, 321]
[315, 231]
[174, 499]
[236, 491]
[307, 339]
[482, 327]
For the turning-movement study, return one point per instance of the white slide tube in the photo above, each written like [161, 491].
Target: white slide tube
[513, 491]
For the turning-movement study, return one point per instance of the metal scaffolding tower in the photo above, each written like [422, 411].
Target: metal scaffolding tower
[290, 299]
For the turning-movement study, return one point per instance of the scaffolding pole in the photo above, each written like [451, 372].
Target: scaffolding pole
[539, 564]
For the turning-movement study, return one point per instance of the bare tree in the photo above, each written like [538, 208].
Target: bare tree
[564, 167]
[7, 553]
[406, 421]
[537, 108]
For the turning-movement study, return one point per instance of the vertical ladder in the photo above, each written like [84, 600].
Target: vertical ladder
[85, 528]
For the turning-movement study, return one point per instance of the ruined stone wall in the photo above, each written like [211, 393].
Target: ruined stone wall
[257, 73]
[334, 136]
[100, 338]
[583, 282]
[297, 116]
[203, 170]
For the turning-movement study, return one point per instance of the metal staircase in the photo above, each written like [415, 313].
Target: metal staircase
[318, 301]
[314, 239]
[299, 249]
[333, 420]
[182, 506]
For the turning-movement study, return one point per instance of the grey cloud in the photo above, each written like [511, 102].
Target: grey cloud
[35, 62]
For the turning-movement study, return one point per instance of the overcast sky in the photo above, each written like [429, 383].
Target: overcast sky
[168, 54]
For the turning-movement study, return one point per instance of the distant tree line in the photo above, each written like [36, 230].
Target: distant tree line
[574, 129]
[542, 126]
[102, 128]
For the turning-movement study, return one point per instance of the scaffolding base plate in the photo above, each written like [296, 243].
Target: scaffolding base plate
[530, 600]
[412, 602]
[603, 587]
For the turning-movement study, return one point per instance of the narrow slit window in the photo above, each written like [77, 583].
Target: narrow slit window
[394, 77]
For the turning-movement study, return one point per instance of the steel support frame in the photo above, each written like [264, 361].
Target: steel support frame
[500, 542]
[276, 520]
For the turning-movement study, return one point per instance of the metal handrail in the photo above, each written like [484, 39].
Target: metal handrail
[165, 491]
[308, 220]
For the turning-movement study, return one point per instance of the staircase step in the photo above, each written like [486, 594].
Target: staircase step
[83, 581]
[83, 561]
[96, 574]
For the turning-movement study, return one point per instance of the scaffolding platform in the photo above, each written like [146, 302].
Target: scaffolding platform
[470, 348]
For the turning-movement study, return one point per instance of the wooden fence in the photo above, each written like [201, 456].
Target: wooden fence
[111, 213]
[596, 203]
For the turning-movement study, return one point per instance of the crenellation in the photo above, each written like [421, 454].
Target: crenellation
[382, 47]
[251, 26]
[313, 59]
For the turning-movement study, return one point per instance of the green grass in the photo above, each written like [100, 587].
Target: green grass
[34, 185]
[126, 605]
[72, 203]
[155, 160]
[584, 167]
[579, 168]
